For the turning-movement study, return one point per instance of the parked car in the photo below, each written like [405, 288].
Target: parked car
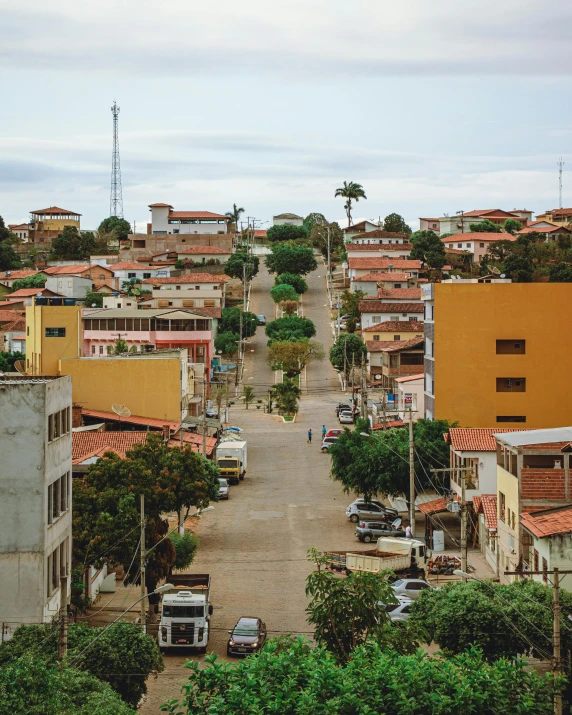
[333, 433]
[362, 511]
[248, 636]
[327, 443]
[410, 588]
[389, 510]
[261, 319]
[211, 413]
[223, 489]
[346, 417]
[369, 531]
[399, 612]
[342, 406]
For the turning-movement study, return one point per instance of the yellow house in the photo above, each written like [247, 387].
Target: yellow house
[52, 332]
[159, 387]
[560, 217]
[498, 353]
[54, 219]
[394, 330]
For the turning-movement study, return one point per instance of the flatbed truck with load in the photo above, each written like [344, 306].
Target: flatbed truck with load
[185, 613]
[231, 460]
[405, 557]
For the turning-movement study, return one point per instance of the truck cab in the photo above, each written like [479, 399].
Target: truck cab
[229, 468]
[185, 614]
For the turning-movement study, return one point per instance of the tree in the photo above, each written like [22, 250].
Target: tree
[235, 215]
[289, 306]
[70, 244]
[286, 395]
[560, 273]
[186, 546]
[347, 350]
[350, 191]
[227, 343]
[312, 220]
[9, 259]
[429, 248]
[519, 268]
[485, 226]
[242, 265]
[35, 281]
[248, 394]
[290, 328]
[297, 282]
[379, 463]
[5, 232]
[119, 227]
[92, 299]
[230, 322]
[321, 234]
[511, 225]
[283, 292]
[288, 258]
[350, 304]
[396, 224]
[7, 360]
[286, 232]
[292, 357]
[120, 347]
[290, 676]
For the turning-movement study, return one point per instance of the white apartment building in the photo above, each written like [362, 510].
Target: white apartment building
[287, 220]
[69, 286]
[164, 220]
[36, 498]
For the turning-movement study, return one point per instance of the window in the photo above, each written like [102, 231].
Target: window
[481, 245]
[468, 245]
[376, 337]
[450, 245]
[58, 424]
[535, 561]
[511, 347]
[394, 318]
[109, 349]
[502, 506]
[545, 569]
[459, 245]
[93, 349]
[397, 285]
[511, 384]
[55, 332]
[511, 418]
[188, 303]
[101, 349]
[209, 303]
[377, 319]
[397, 337]
[59, 497]
[146, 275]
[177, 287]
[197, 287]
[28, 330]
[412, 319]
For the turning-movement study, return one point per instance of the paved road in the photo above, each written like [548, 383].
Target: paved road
[255, 545]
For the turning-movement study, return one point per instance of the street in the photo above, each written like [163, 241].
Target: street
[254, 545]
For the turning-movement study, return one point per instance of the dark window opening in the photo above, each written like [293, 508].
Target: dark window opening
[511, 347]
[511, 418]
[511, 384]
[55, 332]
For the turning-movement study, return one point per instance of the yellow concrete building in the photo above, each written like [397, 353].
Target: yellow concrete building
[52, 332]
[54, 219]
[498, 353]
[394, 330]
[159, 388]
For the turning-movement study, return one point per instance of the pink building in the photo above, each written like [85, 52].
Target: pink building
[146, 330]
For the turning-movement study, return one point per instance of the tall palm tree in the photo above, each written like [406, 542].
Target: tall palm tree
[350, 191]
[234, 215]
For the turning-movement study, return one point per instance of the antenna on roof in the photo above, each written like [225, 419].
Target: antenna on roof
[560, 164]
[121, 411]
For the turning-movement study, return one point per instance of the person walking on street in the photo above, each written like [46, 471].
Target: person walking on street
[408, 532]
[324, 430]
[310, 436]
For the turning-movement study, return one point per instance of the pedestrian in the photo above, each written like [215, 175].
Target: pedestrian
[408, 532]
[310, 436]
[324, 430]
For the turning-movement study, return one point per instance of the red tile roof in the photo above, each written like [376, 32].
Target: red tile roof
[559, 212]
[476, 439]
[491, 213]
[457, 251]
[489, 506]
[399, 293]
[370, 262]
[544, 229]
[196, 214]
[380, 233]
[186, 278]
[381, 277]
[408, 378]
[435, 506]
[160, 206]
[215, 250]
[27, 292]
[388, 425]
[91, 444]
[71, 270]
[18, 326]
[17, 304]
[9, 316]
[127, 266]
[360, 226]
[548, 522]
[215, 312]
[55, 210]
[482, 237]
[392, 346]
[377, 306]
[379, 247]
[14, 275]
[404, 326]
[18, 226]
[429, 219]
[195, 440]
[133, 419]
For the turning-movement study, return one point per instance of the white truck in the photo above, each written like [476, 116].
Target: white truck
[402, 556]
[186, 612]
[231, 460]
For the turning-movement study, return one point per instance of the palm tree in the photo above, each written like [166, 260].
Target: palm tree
[350, 191]
[234, 215]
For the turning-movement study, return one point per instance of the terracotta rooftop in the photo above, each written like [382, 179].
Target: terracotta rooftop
[71, 270]
[91, 444]
[359, 226]
[380, 233]
[18, 326]
[489, 509]
[436, 506]
[381, 277]
[490, 213]
[127, 266]
[482, 237]
[544, 229]
[404, 326]
[560, 212]
[15, 275]
[196, 214]
[548, 522]
[379, 247]
[371, 262]
[205, 249]
[476, 439]
[9, 316]
[55, 210]
[287, 215]
[17, 304]
[408, 378]
[388, 425]
[18, 226]
[399, 293]
[429, 219]
[27, 292]
[392, 346]
[458, 251]
[195, 440]
[186, 278]
[132, 420]
[377, 306]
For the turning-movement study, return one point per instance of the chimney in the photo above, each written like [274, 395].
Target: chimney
[76, 415]
[166, 433]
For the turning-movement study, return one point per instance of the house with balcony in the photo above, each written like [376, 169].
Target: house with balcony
[475, 243]
[164, 220]
[371, 283]
[461, 222]
[393, 330]
[358, 267]
[533, 474]
[550, 533]
[361, 227]
[389, 360]
[378, 311]
[196, 254]
[379, 236]
[134, 271]
[560, 217]
[190, 290]
[393, 251]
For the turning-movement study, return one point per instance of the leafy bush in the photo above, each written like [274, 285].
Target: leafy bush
[290, 328]
[283, 292]
[297, 282]
[186, 546]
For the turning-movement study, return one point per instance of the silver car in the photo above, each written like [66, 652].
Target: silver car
[399, 612]
[346, 417]
[327, 443]
[223, 489]
[362, 511]
[410, 588]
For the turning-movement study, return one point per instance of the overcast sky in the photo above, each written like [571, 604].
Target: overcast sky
[432, 106]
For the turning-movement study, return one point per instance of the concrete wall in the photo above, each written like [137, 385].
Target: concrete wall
[143, 244]
[43, 353]
[368, 319]
[508, 485]
[69, 286]
[391, 335]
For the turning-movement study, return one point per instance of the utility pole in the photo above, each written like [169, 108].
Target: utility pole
[560, 165]
[411, 476]
[243, 288]
[142, 566]
[205, 419]
[328, 279]
[63, 637]
[363, 390]
[226, 399]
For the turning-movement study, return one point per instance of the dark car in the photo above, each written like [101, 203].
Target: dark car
[369, 531]
[248, 636]
[342, 406]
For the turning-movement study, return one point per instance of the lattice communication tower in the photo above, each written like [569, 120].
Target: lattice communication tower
[116, 200]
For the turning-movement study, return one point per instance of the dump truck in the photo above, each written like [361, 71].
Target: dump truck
[231, 460]
[185, 613]
[402, 556]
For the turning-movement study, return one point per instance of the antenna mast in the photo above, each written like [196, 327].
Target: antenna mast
[560, 164]
[116, 200]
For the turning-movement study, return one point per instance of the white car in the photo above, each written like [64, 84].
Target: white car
[410, 588]
[399, 612]
[223, 489]
[327, 443]
[346, 417]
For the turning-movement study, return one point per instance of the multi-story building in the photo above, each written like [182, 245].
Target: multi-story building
[550, 534]
[287, 220]
[53, 331]
[133, 270]
[22, 230]
[489, 350]
[35, 509]
[358, 267]
[190, 290]
[476, 243]
[46, 224]
[533, 474]
[350, 232]
[379, 236]
[379, 311]
[394, 330]
[390, 359]
[429, 224]
[393, 251]
[164, 220]
[371, 283]
[98, 275]
[69, 286]
[560, 217]
[461, 222]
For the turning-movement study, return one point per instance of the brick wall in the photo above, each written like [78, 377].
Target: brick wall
[543, 484]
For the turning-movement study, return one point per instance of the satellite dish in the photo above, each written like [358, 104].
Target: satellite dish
[121, 410]
[502, 275]
[20, 366]
[495, 270]
[377, 377]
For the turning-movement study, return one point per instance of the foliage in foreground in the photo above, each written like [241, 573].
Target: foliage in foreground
[300, 680]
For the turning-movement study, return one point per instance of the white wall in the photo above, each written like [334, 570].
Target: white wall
[69, 286]
[369, 319]
[287, 221]
[416, 389]
[487, 474]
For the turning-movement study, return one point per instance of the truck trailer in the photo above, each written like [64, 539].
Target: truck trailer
[402, 556]
[231, 460]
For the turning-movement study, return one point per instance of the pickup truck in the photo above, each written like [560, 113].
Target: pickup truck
[231, 460]
[186, 612]
[402, 556]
